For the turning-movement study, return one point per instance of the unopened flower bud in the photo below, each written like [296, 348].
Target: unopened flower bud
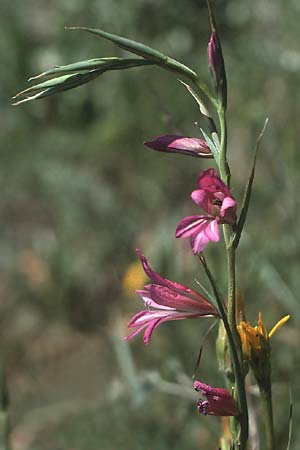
[171, 143]
[216, 63]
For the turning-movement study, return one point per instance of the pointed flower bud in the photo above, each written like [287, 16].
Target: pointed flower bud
[216, 64]
[172, 143]
[219, 402]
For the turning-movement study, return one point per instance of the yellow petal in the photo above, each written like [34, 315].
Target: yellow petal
[279, 325]
[260, 326]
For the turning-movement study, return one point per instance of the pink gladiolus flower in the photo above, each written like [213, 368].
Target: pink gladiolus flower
[166, 300]
[214, 197]
[180, 144]
[219, 402]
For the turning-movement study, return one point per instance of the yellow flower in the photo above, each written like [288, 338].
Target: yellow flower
[134, 278]
[256, 338]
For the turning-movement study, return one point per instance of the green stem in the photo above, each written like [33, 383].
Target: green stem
[266, 398]
[224, 168]
[240, 393]
[239, 378]
[4, 420]
[233, 335]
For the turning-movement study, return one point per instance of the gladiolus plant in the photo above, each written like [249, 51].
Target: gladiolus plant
[248, 348]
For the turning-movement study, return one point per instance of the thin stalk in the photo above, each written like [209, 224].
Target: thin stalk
[266, 399]
[4, 419]
[4, 410]
[232, 332]
[231, 295]
[240, 392]
[224, 168]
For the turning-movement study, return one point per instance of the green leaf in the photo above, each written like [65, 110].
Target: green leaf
[142, 50]
[103, 64]
[72, 80]
[248, 191]
[201, 104]
[56, 85]
[212, 146]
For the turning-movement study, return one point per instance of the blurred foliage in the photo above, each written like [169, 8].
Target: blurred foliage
[79, 192]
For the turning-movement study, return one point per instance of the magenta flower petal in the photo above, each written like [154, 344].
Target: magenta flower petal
[219, 402]
[179, 302]
[199, 242]
[214, 197]
[149, 302]
[228, 210]
[166, 301]
[214, 58]
[210, 181]
[149, 330]
[180, 144]
[191, 225]
[158, 279]
[212, 231]
[199, 196]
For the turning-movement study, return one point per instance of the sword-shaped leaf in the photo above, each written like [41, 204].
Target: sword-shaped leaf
[56, 85]
[212, 146]
[103, 64]
[142, 50]
[202, 106]
[248, 191]
[81, 76]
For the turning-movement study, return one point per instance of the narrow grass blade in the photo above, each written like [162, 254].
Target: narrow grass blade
[201, 104]
[290, 422]
[103, 64]
[248, 191]
[80, 76]
[212, 146]
[56, 85]
[203, 340]
[142, 50]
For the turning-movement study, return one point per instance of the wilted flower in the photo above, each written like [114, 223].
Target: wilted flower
[256, 349]
[172, 143]
[219, 402]
[215, 198]
[256, 339]
[166, 300]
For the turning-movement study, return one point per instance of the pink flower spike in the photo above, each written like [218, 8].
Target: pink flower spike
[166, 300]
[214, 197]
[172, 143]
[219, 402]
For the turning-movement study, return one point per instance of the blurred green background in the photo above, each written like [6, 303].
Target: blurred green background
[79, 192]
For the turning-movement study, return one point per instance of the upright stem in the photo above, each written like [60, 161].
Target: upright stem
[234, 338]
[266, 398]
[231, 295]
[239, 378]
[224, 168]
[240, 393]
